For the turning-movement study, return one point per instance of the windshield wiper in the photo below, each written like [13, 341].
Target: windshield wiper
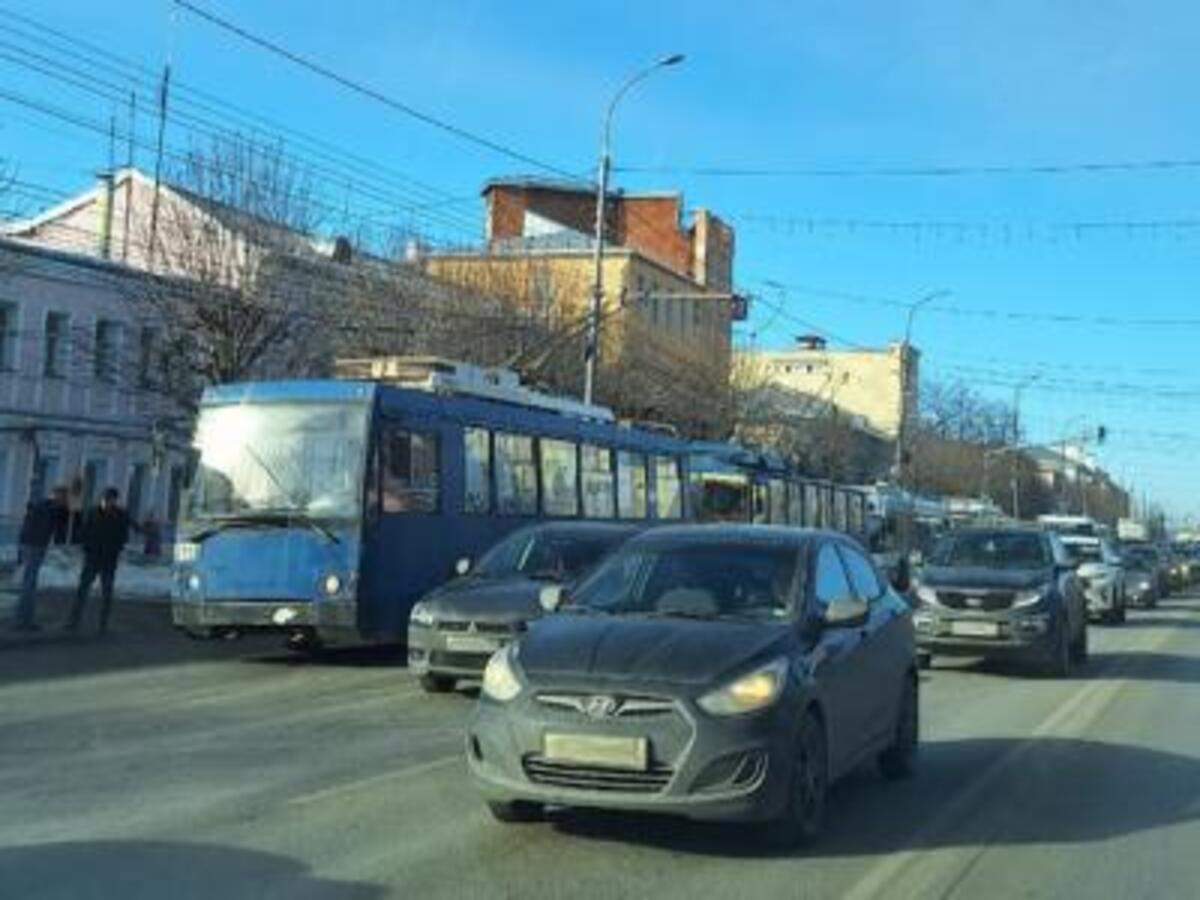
[278, 517]
[295, 507]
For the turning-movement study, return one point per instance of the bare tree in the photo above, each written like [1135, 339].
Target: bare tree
[234, 290]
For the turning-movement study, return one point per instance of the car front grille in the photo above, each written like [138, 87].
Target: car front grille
[983, 601]
[623, 707]
[573, 776]
[503, 628]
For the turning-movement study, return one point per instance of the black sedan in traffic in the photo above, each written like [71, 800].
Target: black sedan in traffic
[1002, 592]
[715, 672]
[454, 629]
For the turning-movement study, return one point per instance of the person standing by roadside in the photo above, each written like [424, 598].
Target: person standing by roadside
[105, 533]
[45, 520]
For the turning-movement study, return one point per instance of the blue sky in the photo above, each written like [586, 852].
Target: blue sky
[788, 85]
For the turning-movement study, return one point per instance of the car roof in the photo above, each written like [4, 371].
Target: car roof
[999, 529]
[720, 533]
[584, 529]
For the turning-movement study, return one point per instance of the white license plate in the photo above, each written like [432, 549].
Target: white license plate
[598, 750]
[975, 629]
[472, 643]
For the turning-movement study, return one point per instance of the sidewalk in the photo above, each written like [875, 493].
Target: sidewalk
[140, 581]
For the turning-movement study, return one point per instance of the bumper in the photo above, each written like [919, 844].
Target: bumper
[1030, 636]
[458, 654]
[699, 767]
[1100, 601]
[1141, 594]
[326, 617]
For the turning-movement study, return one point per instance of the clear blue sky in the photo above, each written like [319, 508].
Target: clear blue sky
[783, 85]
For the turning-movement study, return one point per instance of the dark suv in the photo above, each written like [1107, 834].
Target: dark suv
[1002, 592]
[715, 672]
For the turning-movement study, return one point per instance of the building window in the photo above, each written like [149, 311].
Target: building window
[105, 353]
[95, 480]
[560, 490]
[516, 476]
[410, 472]
[8, 336]
[631, 485]
[477, 465]
[137, 485]
[597, 482]
[55, 349]
[668, 492]
[147, 344]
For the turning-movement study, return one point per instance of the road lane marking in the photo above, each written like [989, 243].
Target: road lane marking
[930, 868]
[349, 787]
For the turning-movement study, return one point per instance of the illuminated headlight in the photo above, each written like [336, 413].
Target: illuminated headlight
[421, 615]
[500, 679]
[927, 595]
[1029, 598]
[194, 583]
[186, 552]
[754, 691]
[332, 583]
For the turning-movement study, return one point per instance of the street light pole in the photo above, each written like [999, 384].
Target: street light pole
[902, 422]
[590, 351]
[1016, 475]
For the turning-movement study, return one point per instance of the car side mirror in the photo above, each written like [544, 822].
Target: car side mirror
[846, 612]
[462, 566]
[551, 597]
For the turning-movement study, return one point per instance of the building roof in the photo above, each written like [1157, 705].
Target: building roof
[538, 183]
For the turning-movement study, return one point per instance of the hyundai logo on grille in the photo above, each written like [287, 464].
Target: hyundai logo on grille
[975, 602]
[600, 707]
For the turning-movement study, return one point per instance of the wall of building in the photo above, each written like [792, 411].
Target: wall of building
[56, 427]
[866, 383]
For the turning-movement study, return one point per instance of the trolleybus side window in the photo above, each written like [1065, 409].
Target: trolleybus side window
[631, 485]
[668, 491]
[477, 471]
[560, 481]
[795, 503]
[778, 502]
[410, 471]
[762, 503]
[516, 475]
[597, 481]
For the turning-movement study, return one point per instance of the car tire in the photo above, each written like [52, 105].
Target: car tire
[1059, 663]
[513, 811]
[1079, 646]
[924, 660]
[436, 684]
[801, 820]
[899, 760]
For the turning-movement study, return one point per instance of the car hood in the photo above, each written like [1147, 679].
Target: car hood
[1002, 579]
[486, 599]
[679, 651]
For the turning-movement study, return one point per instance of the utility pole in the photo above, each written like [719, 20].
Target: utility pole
[592, 345]
[163, 90]
[905, 388]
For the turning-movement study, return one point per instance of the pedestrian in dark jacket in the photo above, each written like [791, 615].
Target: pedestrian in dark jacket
[45, 520]
[105, 533]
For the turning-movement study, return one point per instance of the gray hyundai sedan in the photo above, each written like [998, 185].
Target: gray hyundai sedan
[715, 672]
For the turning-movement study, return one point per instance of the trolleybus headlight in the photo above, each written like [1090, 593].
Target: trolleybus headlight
[194, 582]
[332, 583]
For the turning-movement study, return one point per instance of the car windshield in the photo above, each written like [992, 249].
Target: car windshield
[992, 550]
[1140, 557]
[295, 458]
[700, 581]
[540, 553]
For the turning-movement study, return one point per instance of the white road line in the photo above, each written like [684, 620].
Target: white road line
[349, 787]
[923, 870]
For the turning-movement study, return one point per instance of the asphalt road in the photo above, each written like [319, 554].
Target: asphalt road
[147, 766]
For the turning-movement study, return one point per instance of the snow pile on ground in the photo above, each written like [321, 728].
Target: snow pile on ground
[136, 575]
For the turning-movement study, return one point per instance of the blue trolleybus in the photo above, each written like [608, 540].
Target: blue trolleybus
[323, 510]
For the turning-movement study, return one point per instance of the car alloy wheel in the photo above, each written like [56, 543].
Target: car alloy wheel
[899, 760]
[801, 821]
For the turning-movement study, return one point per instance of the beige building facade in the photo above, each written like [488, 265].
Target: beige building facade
[878, 387]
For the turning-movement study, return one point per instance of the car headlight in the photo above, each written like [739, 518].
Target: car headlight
[753, 691]
[500, 679]
[927, 595]
[1030, 598]
[421, 615]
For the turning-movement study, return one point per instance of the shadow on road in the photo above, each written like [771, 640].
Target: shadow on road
[380, 656]
[1047, 791]
[1139, 619]
[143, 870]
